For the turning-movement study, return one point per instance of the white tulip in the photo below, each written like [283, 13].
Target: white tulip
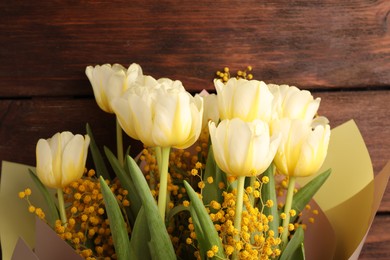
[110, 82]
[61, 159]
[303, 149]
[291, 102]
[99, 77]
[243, 148]
[210, 108]
[163, 115]
[245, 99]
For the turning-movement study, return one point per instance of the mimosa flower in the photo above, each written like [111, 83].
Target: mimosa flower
[61, 159]
[163, 115]
[245, 99]
[243, 148]
[291, 102]
[303, 148]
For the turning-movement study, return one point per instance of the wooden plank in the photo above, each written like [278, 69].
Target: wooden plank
[46, 45]
[25, 121]
[370, 111]
[378, 240]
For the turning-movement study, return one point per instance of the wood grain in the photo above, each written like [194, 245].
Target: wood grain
[25, 121]
[46, 45]
[377, 242]
[338, 49]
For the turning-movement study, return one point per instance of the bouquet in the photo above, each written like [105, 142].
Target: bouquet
[229, 175]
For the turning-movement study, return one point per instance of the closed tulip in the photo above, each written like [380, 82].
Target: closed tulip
[245, 99]
[162, 115]
[291, 102]
[303, 148]
[61, 159]
[210, 108]
[110, 81]
[99, 77]
[243, 148]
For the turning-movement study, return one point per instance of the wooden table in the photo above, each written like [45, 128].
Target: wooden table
[340, 50]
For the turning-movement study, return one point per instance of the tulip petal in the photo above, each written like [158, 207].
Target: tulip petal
[124, 116]
[44, 165]
[56, 150]
[140, 116]
[73, 163]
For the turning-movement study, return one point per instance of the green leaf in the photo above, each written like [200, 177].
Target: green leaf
[268, 192]
[210, 235]
[293, 245]
[160, 244]
[101, 169]
[176, 210]
[299, 254]
[200, 236]
[306, 193]
[140, 237]
[127, 183]
[117, 223]
[211, 191]
[53, 211]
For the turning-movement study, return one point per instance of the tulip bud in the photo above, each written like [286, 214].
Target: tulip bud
[293, 103]
[303, 148]
[163, 114]
[243, 148]
[110, 82]
[210, 108]
[245, 99]
[61, 159]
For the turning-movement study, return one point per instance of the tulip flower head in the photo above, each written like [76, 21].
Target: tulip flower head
[243, 148]
[210, 108]
[99, 77]
[163, 114]
[303, 148]
[61, 159]
[110, 82]
[245, 99]
[291, 102]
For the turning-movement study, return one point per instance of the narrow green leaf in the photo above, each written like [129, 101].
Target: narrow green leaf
[53, 211]
[200, 236]
[140, 237]
[210, 234]
[306, 193]
[211, 191]
[293, 245]
[127, 183]
[299, 254]
[160, 243]
[268, 192]
[117, 223]
[176, 210]
[101, 169]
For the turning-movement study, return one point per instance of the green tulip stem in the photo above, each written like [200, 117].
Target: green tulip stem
[61, 205]
[157, 151]
[287, 208]
[238, 213]
[119, 142]
[162, 193]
